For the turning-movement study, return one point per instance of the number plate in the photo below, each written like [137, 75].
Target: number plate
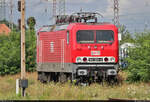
[95, 52]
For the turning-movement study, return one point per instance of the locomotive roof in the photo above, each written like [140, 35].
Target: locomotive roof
[49, 28]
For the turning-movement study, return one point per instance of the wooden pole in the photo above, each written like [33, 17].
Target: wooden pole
[23, 71]
[22, 39]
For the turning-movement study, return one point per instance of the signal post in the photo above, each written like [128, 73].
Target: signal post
[22, 39]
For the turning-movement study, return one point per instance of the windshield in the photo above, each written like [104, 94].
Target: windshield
[104, 36]
[85, 36]
[95, 36]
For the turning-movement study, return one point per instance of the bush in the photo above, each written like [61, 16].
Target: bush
[10, 53]
[139, 59]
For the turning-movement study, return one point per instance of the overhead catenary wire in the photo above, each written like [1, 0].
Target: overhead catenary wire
[124, 15]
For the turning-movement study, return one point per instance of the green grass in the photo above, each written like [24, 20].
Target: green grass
[67, 91]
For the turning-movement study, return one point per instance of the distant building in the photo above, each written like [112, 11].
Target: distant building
[127, 45]
[124, 49]
[4, 29]
[123, 53]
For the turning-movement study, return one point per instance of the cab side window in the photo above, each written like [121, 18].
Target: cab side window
[67, 37]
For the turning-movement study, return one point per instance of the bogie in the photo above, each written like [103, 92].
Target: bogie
[46, 77]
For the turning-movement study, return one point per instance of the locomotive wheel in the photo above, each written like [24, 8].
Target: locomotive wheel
[42, 77]
[49, 77]
[62, 78]
[39, 75]
[112, 80]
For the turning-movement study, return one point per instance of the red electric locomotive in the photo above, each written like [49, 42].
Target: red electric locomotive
[77, 50]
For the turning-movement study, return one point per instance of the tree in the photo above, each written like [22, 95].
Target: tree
[10, 52]
[31, 23]
[139, 60]
[30, 50]
[126, 36]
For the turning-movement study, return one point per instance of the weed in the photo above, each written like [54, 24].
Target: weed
[68, 91]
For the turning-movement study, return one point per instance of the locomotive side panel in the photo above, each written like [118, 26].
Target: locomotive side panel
[56, 52]
[43, 50]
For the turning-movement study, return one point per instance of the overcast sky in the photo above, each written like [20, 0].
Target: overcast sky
[134, 14]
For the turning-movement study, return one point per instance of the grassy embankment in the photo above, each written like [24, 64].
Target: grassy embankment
[57, 91]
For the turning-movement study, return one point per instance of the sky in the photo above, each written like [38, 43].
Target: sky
[134, 14]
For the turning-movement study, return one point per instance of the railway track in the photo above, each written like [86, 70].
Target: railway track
[126, 100]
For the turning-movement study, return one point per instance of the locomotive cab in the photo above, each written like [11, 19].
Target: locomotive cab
[95, 51]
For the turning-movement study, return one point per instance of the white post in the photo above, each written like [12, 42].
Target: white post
[119, 37]
[17, 86]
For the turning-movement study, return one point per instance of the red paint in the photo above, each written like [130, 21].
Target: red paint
[73, 49]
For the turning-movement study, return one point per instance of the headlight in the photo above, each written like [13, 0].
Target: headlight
[79, 59]
[106, 59]
[84, 59]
